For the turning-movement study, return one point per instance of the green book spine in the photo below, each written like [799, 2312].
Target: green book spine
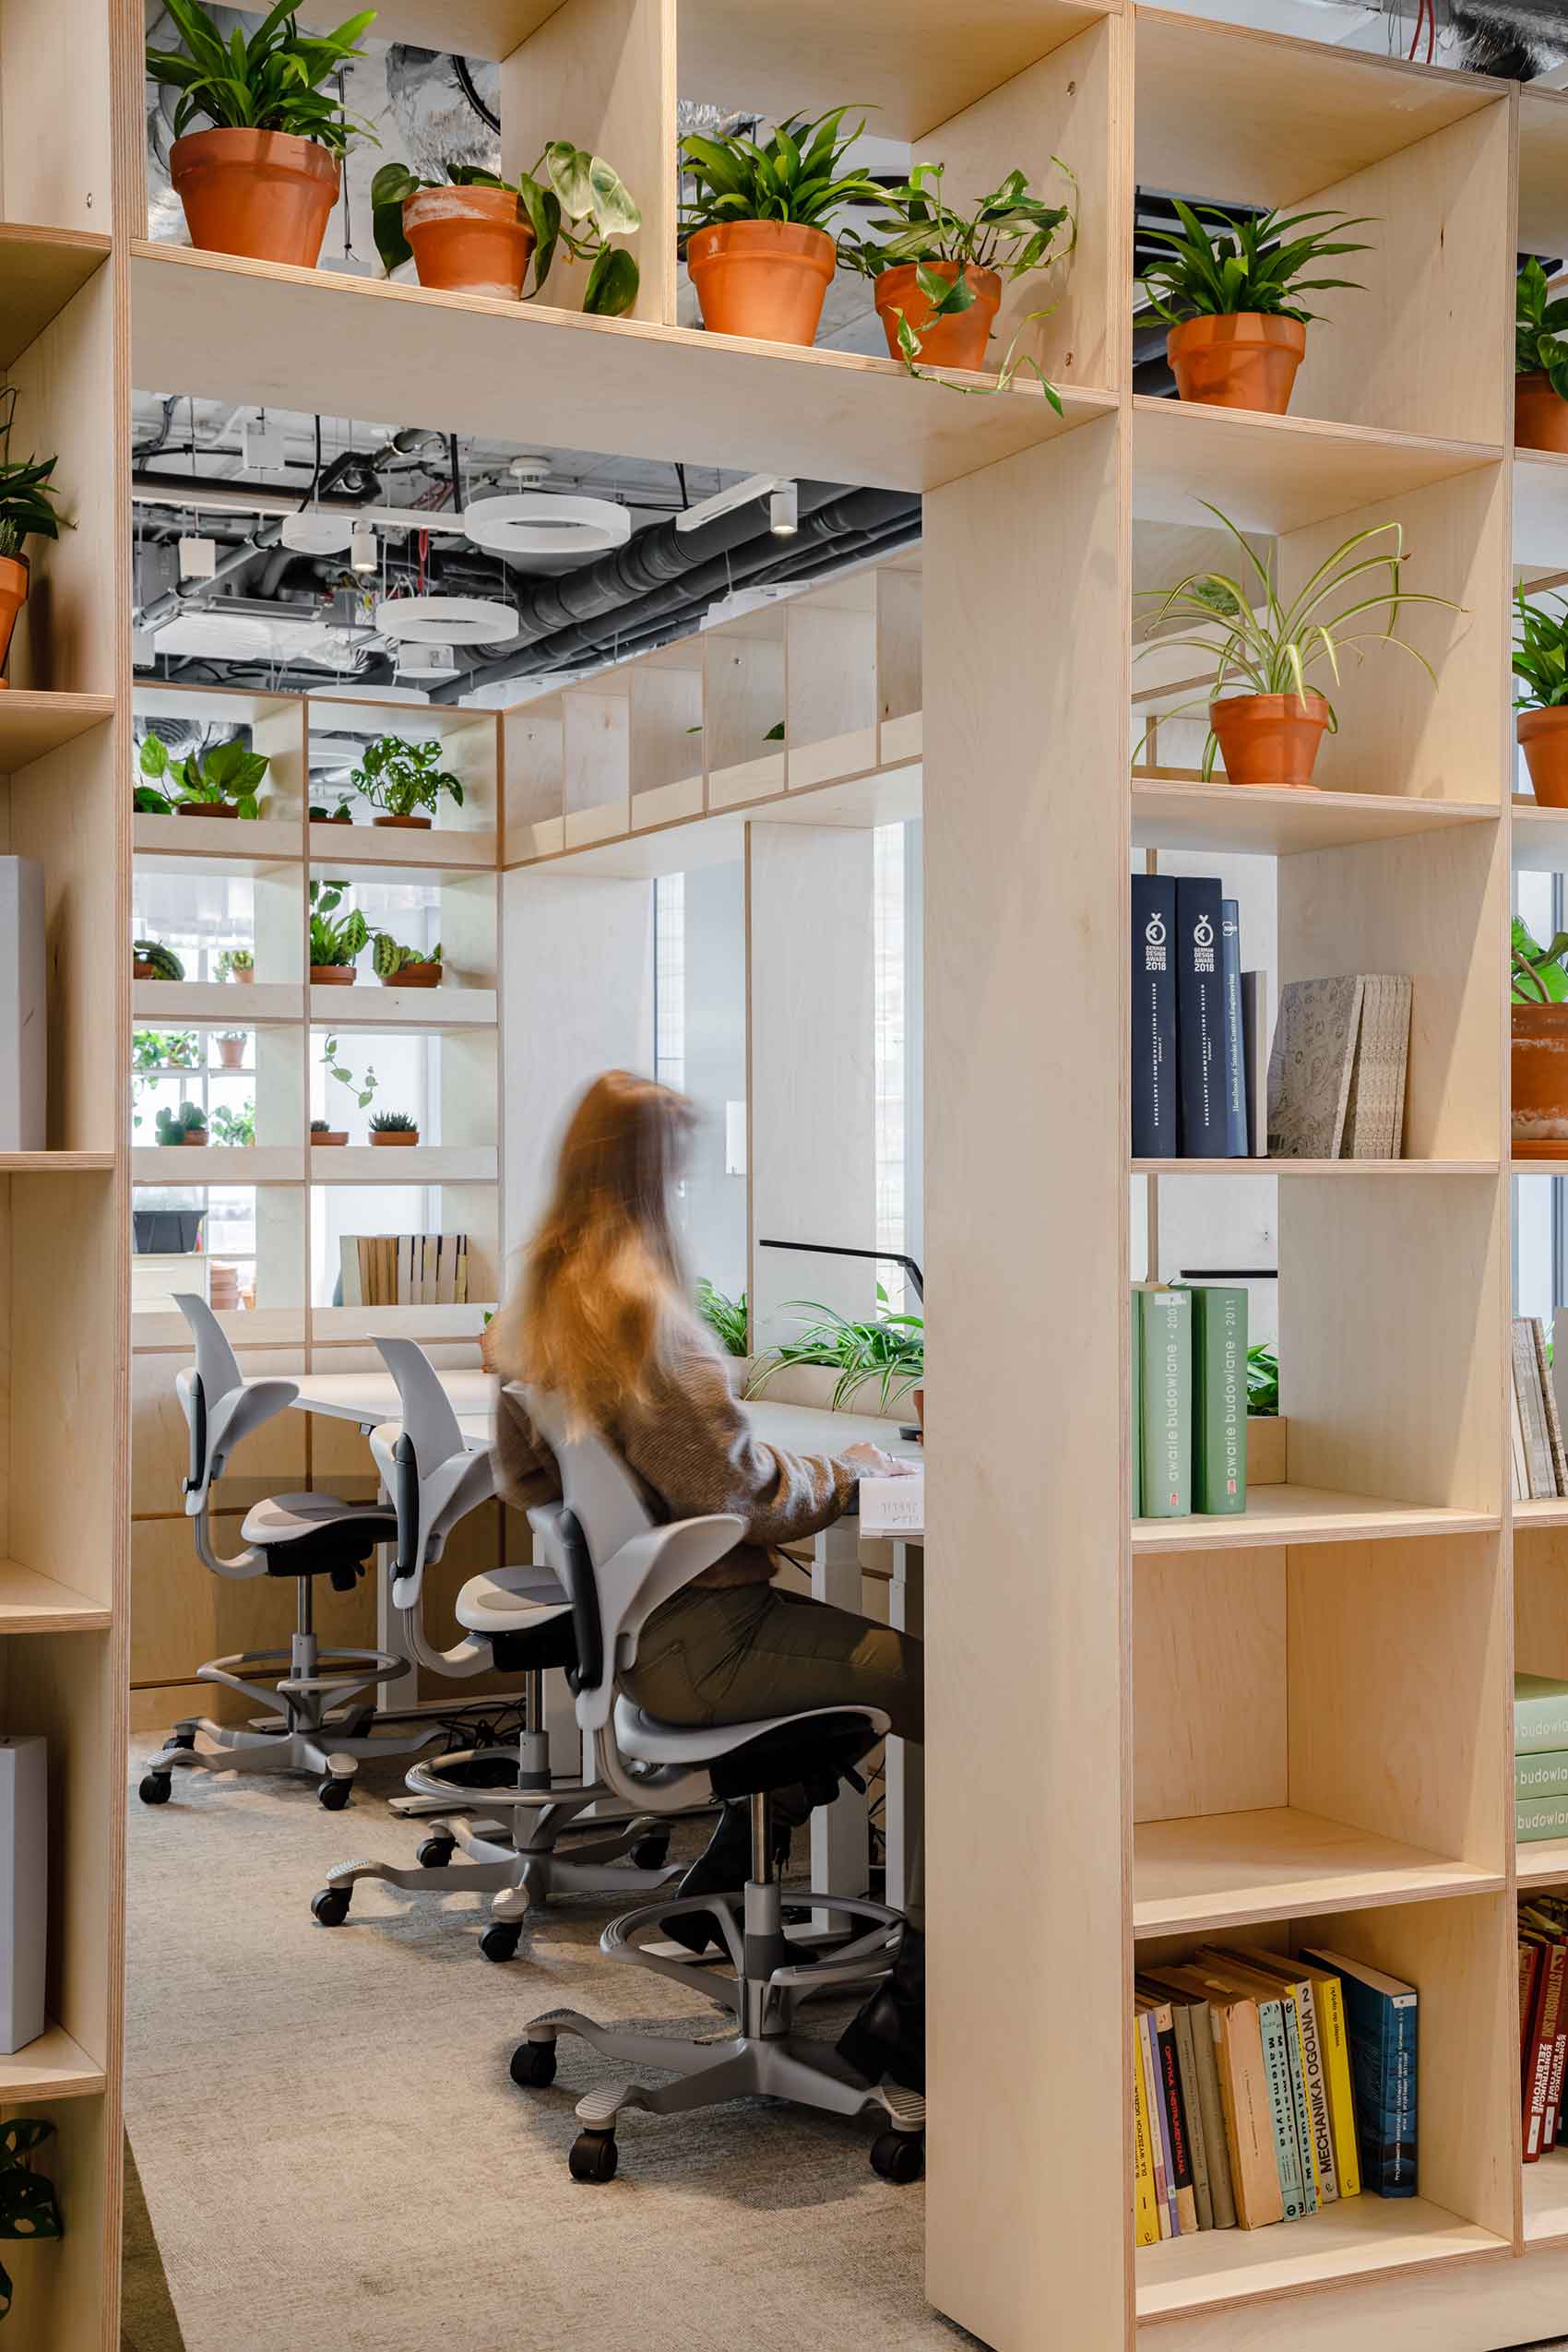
[1166, 1321]
[1540, 1817]
[1136, 1445]
[1219, 1398]
[1541, 1715]
[1542, 1775]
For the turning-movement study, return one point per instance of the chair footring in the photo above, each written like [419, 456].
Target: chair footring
[705, 2074]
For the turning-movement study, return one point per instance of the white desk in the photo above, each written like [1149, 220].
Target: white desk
[840, 1837]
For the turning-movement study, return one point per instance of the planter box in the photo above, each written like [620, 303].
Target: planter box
[813, 1384]
[1268, 1439]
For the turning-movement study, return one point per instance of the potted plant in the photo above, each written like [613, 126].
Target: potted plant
[938, 272]
[726, 1318]
[1238, 328]
[400, 779]
[1270, 734]
[1538, 1053]
[474, 233]
[30, 2210]
[27, 511]
[219, 783]
[334, 944]
[888, 1351]
[752, 233]
[1540, 663]
[363, 1089]
[320, 814]
[405, 966]
[149, 960]
[230, 1044]
[235, 1127]
[320, 1133]
[237, 964]
[1541, 363]
[263, 181]
[186, 1126]
[393, 1127]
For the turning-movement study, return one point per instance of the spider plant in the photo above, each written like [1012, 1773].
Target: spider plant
[726, 1318]
[1541, 651]
[889, 1351]
[272, 82]
[1540, 344]
[27, 491]
[572, 201]
[1260, 644]
[1253, 263]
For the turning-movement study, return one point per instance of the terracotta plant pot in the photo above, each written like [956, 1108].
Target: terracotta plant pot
[333, 975]
[955, 341]
[230, 1052]
[411, 823]
[761, 279]
[244, 974]
[14, 579]
[331, 1135]
[141, 969]
[469, 241]
[919, 1396]
[1540, 418]
[415, 976]
[262, 194]
[394, 1135]
[187, 1140]
[1246, 360]
[1539, 1081]
[207, 808]
[1544, 734]
[1270, 739]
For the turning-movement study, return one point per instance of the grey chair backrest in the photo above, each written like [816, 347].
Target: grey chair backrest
[428, 1471]
[219, 1406]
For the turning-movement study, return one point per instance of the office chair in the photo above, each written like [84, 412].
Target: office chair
[519, 1619]
[618, 1568]
[309, 1722]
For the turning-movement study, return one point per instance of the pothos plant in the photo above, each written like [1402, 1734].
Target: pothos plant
[1261, 645]
[1540, 328]
[572, 201]
[1537, 972]
[202, 779]
[363, 1089]
[29, 2208]
[400, 778]
[1010, 231]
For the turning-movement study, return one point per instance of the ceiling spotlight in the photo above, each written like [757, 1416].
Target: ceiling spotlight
[363, 553]
[784, 511]
[724, 502]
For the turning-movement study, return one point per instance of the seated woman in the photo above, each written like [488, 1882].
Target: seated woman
[602, 1320]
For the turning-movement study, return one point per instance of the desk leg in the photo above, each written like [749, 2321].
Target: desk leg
[905, 1760]
[840, 1836]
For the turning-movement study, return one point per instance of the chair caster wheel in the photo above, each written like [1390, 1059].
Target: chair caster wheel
[334, 1794]
[652, 1852]
[501, 1942]
[594, 2157]
[330, 1907]
[434, 1853]
[898, 2156]
[155, 1787]
[533, 2065]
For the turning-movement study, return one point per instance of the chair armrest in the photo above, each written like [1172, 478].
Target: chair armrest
[230, 1422]
[645, 1573]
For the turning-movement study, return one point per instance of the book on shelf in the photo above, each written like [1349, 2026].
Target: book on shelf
[1538, 1448]
[1200, 1018]
[1544, 1773]
[1189, 1410]
[1189, 1045]
[1155, 1129]
[1538, 1817]
[1315, 2117]
[1171, 2115]
[1255, 1060]
[1543, 1952]
[1380, 2015]
[404, 1269]
[1234, 1069]
[1145, 2213]
[1337, 1067]
[1219, 1397]
[1277, 2025]
[1541, 1715]
[1136, 1440]
[1165, 1371]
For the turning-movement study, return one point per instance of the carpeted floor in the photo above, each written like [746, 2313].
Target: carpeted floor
[332, 2150]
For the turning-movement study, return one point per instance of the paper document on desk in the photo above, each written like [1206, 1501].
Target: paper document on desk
[893, 1506]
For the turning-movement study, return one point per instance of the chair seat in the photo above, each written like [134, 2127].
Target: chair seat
[646, 1741]
[308, 1535]
[511, 1600]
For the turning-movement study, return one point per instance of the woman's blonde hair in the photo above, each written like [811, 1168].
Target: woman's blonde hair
[602, 1276]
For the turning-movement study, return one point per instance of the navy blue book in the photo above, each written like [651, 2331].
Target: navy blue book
[1200, 1019]
[1155, 1129]
[1380, 2026]
[1235, 1040]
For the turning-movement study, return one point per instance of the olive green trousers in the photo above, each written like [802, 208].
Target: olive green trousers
[730, 1654]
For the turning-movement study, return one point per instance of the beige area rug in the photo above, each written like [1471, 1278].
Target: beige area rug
[333, 2152]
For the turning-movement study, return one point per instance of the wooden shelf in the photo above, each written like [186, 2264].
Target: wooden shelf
[229, 328]
[1541, 510]
[217, 1164]
[1168, 813]
[217, 1004]
[263, 841]
[1546, 2199]
[1338, 1168]
[1277, 473]
[32, 723]
[1227, 1870]
[1355, 2238]
[1541, 1862]
[53, 2067]
[1293, 1515]
[55, 1163]
[33, 1604]
[401, 1008]
[1542, 1511]
[1539, 835]
[410, 1164]
[39, 272]
[444, 849]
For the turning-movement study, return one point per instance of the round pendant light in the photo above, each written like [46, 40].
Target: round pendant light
[445, 620]
[311, 532]
[532, 522]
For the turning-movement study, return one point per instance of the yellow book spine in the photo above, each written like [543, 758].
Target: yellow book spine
[1336, 2067]
[1146, 2216]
